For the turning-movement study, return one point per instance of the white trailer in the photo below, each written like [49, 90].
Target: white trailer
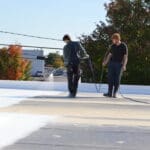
[37, 65]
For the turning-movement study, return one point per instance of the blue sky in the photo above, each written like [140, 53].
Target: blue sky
[49, 18]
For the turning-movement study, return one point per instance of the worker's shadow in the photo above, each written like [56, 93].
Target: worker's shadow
[64, 97]
[50, 97]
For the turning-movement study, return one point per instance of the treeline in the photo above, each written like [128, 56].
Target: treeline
[54, 60]
[130, 18]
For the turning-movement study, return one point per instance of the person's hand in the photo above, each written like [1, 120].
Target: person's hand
[124, 68]
[104, 64]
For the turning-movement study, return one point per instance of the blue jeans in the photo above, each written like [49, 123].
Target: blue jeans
[114, 77]
[73, 73]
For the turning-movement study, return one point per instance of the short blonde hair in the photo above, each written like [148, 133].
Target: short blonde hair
[116, 36]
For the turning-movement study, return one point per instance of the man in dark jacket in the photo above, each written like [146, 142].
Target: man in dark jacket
[117, 59]
[73, 52]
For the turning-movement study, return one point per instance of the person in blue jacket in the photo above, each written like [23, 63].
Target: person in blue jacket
[73, 52]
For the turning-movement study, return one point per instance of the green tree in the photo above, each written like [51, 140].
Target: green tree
[55, 60]
[131, 18]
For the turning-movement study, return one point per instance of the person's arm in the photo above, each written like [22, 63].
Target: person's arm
[82, 52]
[65, 56]
[105, 62]
[125, 61]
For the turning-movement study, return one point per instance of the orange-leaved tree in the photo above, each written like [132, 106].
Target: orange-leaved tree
[12, 65]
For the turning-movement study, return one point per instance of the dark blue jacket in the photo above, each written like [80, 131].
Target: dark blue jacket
[73, 52]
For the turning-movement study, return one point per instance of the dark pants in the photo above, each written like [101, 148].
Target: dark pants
[114, 77]
[73, 73]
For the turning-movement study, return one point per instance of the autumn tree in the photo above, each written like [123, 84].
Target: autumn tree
[13, 66]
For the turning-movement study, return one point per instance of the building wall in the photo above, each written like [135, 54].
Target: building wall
[36, 64]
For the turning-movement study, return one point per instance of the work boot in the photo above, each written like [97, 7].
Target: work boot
[114, 95]
[71, 95]
[107, 95]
